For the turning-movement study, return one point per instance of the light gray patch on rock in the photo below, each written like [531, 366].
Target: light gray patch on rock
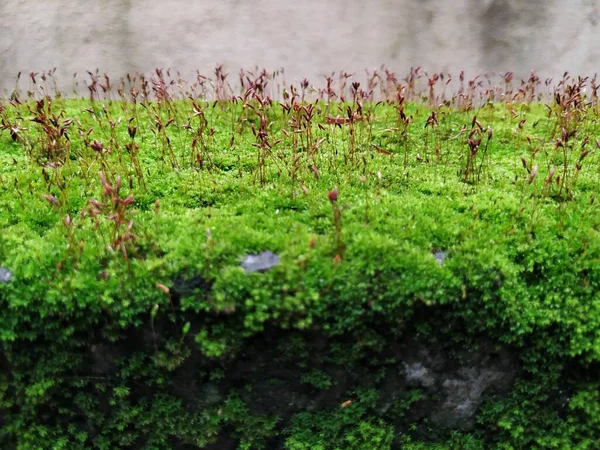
[440, 256]
[6, 275]
[261, 262]
[418, 375]
[455, 386]
[464, 392]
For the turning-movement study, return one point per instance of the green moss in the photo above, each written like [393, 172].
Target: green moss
[521, 268]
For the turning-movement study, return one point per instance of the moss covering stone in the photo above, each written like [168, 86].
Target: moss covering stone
[436, 284]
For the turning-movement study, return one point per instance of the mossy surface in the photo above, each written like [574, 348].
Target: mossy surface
[126, 320]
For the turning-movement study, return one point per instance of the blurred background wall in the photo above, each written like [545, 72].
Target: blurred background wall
[307, 37]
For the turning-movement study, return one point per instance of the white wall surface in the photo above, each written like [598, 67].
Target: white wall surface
[307, 37]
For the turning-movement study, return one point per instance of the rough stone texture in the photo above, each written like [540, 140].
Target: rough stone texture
[307, 38]
[260, 263]
[461, 384]
[453, 379]
[454, 382]
[6, 275]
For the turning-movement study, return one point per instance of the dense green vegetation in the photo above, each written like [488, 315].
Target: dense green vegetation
[124, 225]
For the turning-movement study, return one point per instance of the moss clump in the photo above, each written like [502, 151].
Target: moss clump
[129, 322]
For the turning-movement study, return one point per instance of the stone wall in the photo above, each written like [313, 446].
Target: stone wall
[308, 38]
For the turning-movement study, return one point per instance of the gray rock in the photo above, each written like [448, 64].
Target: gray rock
[6, 275]
[418, 375]
[261, 262]
[440, 256]
[456, 386]
[464, 394]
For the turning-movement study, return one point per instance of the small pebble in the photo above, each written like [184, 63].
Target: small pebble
[6, 275]
[261, 262]
[440, 256]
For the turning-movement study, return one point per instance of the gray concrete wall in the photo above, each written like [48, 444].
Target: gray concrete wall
[306, 37]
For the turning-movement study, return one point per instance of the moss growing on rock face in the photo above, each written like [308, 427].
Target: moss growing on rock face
[186, 274]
